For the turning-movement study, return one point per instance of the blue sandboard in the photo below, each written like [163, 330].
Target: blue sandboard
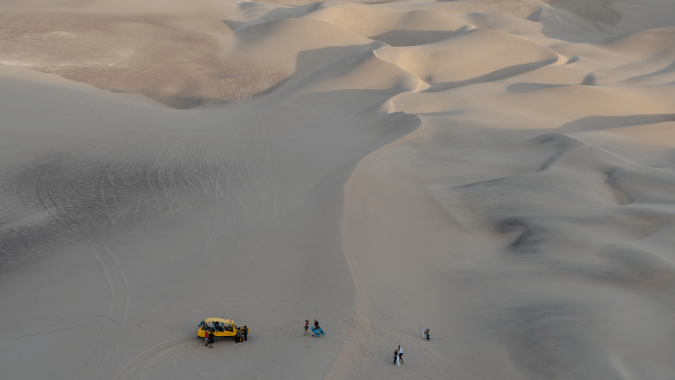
[320, 330]
[316, 333]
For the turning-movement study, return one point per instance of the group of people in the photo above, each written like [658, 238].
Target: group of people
[316, 326]
[398, 353]
[219, 326]
[210, 336]
[242, 335]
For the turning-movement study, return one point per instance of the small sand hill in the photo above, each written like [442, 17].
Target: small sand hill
[500, 172]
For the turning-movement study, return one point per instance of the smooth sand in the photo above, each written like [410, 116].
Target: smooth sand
[499, 172]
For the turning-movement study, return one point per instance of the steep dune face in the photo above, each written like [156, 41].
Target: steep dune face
[500, 172]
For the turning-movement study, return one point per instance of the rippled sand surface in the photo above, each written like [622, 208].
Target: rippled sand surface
[501, 172]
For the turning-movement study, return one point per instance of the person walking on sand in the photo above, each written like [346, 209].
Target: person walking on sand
[400, 354]
[306, 326]
[395, 356]
[427, 334]
[245, 333]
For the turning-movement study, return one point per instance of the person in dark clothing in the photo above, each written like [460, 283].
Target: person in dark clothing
[395, 355]
[245, 333]
[316, 324]
[212, 338]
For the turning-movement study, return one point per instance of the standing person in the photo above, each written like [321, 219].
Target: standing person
[206, 337]
[316, 324]
[306, 326]
[212, 338]
[400, 353]
[395, 356]
[427, 334]
[245, 333]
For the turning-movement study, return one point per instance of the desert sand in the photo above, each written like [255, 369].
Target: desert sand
[500, 172]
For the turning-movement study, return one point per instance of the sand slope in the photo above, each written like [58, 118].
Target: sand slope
[500, 172]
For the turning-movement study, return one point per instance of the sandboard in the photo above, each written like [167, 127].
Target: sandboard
[320, 330]
[315, 332]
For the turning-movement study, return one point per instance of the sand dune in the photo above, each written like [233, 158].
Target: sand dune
[395, 28]
[499, 172]
[451, 62]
